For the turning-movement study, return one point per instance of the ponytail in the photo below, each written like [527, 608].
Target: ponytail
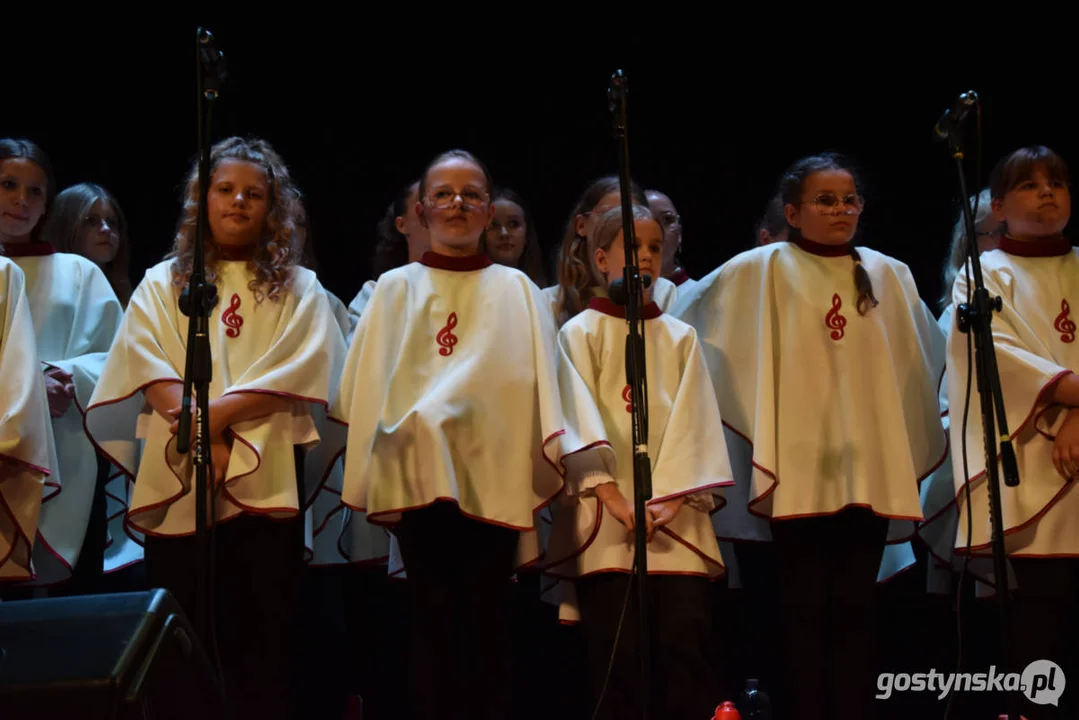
[863, 284]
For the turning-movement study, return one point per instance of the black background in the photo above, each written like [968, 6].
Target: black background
[356, 113]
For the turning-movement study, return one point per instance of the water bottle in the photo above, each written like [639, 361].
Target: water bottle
[727, 711]
[754, 704]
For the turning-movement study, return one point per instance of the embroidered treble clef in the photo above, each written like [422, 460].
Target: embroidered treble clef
[446, 338]
[231, 319]
[1064, 324]
[834, 320]
[627, 395]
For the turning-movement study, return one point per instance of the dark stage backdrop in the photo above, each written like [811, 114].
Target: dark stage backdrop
[356, 116]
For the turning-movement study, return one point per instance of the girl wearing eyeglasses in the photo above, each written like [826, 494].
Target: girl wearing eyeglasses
[1035, 273]
[451, 395]
[668, 218]
[826, 362]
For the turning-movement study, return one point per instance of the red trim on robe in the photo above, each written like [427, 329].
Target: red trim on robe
[821, 249]
[607, 306]
[30, 249]
[455, 264]
[236, 252]
[1047, 247]
[679, 276]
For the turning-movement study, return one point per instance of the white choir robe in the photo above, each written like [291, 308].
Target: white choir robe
[355, 308]
[682, 282]
[26, 447]
[842, 411]
[685, 445]
[340, 535]
[291, 347]
[938, 506]
[664, 293]
[1035, 341]
[76, 316]
[450, 393]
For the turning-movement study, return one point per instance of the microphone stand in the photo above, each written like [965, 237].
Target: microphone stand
[197, 302]
[975, 318]
[635, 374]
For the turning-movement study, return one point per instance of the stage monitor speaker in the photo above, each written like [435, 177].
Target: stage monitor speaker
[129, 656]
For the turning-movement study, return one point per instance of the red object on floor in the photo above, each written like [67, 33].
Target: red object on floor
[1005, 717]
[727, 711]
[354, 708]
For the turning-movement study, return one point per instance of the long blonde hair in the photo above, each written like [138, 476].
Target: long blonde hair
[575, 269]
[279, 249]
[957, 256]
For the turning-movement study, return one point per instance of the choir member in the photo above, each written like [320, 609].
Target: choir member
[592, 540]
[276, 351]
[450, 392]
[772, 227]
[671, 222]
[938, 491]
[511, 239]
[87, 220]
[834, 393]
[76, 315]
[402, 239]
[26, 451]
[1035, 273]
[578, 279]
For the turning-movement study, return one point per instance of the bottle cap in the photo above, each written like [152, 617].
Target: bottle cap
[727, 711]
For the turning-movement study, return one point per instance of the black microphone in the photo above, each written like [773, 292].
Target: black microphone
[617, 291]
[953, 119]
[213, 61]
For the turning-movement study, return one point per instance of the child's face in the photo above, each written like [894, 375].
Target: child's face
[456, 207]
[238, 203]
[828, 210]
[98, 236]
[612, 261]
[1036, 207]
[665, 212]
[23, 185]
[507, 233]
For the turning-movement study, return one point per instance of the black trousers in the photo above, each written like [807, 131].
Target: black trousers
[459, 576]
[1044, 627]
[827, 577]
[680, 625]
[259, 563]
[747, 630]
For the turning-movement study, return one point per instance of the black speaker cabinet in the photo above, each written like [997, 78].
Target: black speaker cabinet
[130, 656]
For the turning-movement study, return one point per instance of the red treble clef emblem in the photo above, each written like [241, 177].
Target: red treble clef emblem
[446, 338]
[231, 319]
[1064, 324]
[834, 320]
[627, 395]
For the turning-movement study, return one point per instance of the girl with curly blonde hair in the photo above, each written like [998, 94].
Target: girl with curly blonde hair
[271, 249]
[276, 350]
